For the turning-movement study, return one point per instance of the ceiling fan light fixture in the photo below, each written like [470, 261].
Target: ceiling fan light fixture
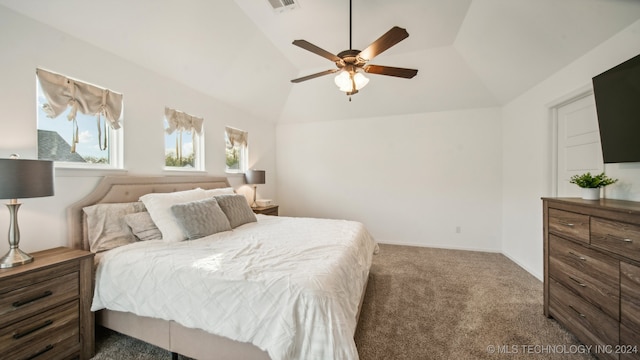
[345, 80]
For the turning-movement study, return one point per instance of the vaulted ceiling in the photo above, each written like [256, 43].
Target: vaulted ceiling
[469, 53]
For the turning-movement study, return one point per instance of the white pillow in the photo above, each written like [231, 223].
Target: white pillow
[159, 207]
[220, 191]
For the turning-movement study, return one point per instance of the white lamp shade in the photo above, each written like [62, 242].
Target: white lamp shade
[343, 80]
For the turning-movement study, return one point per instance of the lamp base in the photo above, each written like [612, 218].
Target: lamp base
[15, 257]
[253, 204]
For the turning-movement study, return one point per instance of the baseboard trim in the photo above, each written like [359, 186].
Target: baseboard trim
[440, 247]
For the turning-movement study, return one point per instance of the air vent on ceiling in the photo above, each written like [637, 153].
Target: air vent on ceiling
[283, 5]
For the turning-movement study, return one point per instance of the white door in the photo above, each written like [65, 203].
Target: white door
[579, 148]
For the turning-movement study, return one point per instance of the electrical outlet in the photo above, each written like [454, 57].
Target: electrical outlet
[458, 229]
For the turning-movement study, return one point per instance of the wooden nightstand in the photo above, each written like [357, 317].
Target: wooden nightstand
[45, 307]
[266, 210]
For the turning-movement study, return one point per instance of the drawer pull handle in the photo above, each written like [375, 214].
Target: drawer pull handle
[35, 298]
[627, 240]
[577, 312]
[566, 223]
[578, 256]
[580, 283]
[41, 326]
[47, 348]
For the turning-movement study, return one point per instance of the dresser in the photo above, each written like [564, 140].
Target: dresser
[266, 210]
[45, 307]
[592, 272]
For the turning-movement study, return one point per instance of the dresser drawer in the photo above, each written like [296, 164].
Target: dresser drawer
[56, 329]
[629, 344]
[593, 275]
[24, 301]
[588, 323]
[630, 296]
[617, 237]
[569, 224]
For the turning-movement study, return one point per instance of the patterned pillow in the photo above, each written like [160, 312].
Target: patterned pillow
[143, 226]
[200, 218]
[237, 209]
[106, 228]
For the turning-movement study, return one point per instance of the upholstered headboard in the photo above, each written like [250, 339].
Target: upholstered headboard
[120, 189]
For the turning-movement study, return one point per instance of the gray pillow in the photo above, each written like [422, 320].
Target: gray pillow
[237, 209]
[106, 228]
[143, 226]
[200, 218]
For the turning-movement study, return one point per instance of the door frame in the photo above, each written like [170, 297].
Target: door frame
[553, 107]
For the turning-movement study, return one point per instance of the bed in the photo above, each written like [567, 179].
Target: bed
[274, 288]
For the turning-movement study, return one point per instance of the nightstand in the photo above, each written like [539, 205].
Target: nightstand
[45, 307]
[266, 210]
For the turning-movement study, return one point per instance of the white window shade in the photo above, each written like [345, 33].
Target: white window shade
[181, 121]
[237, 137]
[62, 92]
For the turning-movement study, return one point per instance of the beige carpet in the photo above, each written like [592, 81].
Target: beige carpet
[425, 303]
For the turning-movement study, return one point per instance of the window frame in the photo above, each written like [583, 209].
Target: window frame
[198, 154]
[243, 156]
[180, 122]
[115, 137]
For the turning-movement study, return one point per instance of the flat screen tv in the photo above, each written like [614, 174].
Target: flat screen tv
[617, 96]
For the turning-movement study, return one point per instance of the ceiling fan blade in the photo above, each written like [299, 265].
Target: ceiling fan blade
[313, 76]
[390, 38]
[316, 50]
[391, 71]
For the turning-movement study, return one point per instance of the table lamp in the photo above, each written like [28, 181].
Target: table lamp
[255, 177]
[22, 179]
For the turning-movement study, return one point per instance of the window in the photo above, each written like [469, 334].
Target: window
[184, 144]
[79, 125]
[236, 150]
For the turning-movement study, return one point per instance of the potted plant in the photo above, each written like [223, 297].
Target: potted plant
[591, 184]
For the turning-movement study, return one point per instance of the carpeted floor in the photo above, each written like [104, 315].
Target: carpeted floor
[425, 303]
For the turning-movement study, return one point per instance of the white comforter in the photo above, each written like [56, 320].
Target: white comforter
[290, 286]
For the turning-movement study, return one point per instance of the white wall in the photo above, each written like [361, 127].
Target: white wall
[410, 179]
[26, 44]
[527, 143]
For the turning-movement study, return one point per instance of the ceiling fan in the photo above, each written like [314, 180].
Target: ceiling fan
[352, 63]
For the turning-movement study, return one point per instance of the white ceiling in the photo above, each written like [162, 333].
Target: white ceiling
[469, 54]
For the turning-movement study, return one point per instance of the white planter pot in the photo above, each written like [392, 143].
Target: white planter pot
[591, 193]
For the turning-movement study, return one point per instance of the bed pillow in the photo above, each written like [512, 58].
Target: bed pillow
[237, 209]
[143, 226]
[159, 207]
[220, 191]
[200, 218]
[106, 228]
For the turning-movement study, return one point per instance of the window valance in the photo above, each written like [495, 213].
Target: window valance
[62, 92]
[181, 121]
[236, 137]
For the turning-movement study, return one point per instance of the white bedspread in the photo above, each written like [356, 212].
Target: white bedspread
[290, 286]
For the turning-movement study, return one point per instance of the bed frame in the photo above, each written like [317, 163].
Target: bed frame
[168, 335]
